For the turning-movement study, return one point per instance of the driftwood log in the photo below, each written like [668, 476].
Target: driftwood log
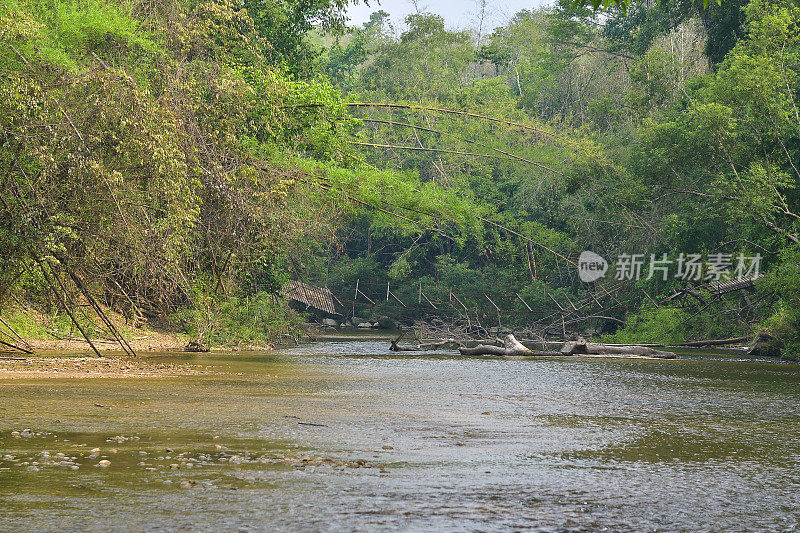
[511, 346]
[396, 347]
[593, 348]
[716, 342]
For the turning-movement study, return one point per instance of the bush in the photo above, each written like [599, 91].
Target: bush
[665, 325]
[256, 320]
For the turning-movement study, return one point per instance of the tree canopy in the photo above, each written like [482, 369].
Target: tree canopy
[185, 159]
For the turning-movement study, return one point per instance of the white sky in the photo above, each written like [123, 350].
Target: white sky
[457, 15]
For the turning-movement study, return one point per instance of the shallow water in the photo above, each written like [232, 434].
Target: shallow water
[442, 442]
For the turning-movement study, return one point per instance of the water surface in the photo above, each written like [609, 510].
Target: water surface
[344, 436]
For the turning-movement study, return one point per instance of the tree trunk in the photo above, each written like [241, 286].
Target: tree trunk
[716, 342]
[511, 346]
[395, 347]
[580, 347]
[594, 348]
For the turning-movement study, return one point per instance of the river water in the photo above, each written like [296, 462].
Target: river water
[344, 436]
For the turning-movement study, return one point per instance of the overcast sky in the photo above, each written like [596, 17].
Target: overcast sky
[457, 15]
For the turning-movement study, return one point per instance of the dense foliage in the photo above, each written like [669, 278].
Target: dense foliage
[665, 129]
[185, 159]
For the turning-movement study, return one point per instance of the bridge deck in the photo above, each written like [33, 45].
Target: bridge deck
[316, 297]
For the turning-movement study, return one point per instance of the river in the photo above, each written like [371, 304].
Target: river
[342, 435]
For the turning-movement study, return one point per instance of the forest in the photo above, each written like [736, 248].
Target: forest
[177, 163]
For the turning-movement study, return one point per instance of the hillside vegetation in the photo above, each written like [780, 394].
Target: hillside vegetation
[180, 161]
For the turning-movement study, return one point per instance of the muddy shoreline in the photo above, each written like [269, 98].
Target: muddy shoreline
[110, 366]
[147, 342]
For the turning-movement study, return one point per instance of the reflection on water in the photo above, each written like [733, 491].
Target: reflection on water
[344, 435]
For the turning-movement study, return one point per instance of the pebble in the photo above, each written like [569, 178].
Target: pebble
[289, 458]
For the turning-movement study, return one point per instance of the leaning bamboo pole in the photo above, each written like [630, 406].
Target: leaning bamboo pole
[508, 155]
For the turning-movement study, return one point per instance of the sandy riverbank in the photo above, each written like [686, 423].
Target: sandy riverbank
[149, 341]
[13, 367]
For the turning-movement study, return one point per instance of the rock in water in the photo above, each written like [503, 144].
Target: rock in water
[196, 346]
[385, 322]
[105, 463]
[766, 345]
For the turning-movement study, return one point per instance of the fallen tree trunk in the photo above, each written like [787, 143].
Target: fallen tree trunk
[395, 347]
[593, 348]
[575, 347]
[483, 349]
[716, 342]
[512, 347]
